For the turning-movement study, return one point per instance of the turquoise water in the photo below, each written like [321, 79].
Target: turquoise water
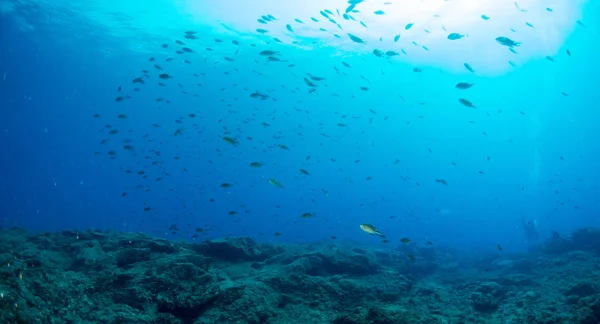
[361, 129]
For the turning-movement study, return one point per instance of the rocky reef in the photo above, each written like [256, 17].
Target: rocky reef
[110, 277]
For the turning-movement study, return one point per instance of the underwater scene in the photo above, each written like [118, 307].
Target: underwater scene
[300, 162]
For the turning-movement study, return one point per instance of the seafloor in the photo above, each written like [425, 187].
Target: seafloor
[110, 277]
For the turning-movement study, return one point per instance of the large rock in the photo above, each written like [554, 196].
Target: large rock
[232, 249]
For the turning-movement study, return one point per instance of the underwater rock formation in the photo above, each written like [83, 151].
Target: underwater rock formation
[110, 277]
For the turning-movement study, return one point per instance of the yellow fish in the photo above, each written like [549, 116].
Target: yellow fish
[275, 183]
[371, 229]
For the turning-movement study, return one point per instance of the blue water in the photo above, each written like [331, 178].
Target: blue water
[525, 152]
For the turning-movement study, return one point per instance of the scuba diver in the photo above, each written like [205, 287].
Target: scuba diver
[530, 229]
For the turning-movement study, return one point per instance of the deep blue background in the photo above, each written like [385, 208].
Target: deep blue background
[51, 179]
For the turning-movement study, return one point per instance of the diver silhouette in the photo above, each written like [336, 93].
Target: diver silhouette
[530, 229]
